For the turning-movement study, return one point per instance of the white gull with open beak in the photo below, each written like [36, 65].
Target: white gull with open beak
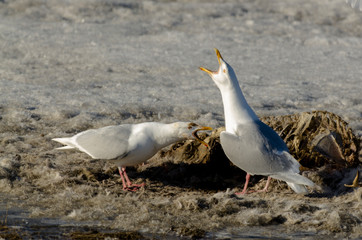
[249, 143]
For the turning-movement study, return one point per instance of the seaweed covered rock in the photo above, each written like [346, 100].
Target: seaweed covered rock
[317, 138]
[321, 141]
[314, 138]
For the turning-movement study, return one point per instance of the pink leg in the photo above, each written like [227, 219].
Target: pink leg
[124, 177]
[266, 186]
[247, 178]
[123, 181]
[129, 184]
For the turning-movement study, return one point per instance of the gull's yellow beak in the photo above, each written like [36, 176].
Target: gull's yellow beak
[207, 71]
[219, 59]
[194, 134]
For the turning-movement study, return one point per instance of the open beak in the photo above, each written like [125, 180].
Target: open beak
[194, 134]
[207, 71]
[219, 59]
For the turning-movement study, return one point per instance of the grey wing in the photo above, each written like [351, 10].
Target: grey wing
[269, 137]
[105, 143]
[253, 155]
[239, 152]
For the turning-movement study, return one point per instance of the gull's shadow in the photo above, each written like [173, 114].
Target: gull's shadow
[222, 175]
[194, 176]
[209, 177]
[216, 173]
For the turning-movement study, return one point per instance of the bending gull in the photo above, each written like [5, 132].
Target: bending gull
[130, 144]
[249, 143]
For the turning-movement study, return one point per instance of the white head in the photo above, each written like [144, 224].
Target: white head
[225, 76]
[236, 109]
[185, 129]
[188, 130]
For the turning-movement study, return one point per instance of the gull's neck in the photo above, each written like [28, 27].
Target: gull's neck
[166, 134]
[236, 109]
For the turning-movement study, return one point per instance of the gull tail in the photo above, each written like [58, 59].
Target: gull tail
[295, 181]
[298, 188]
[64, 141]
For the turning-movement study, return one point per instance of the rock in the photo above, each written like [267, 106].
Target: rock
[314, 138]
[321, 141]
[318, 138]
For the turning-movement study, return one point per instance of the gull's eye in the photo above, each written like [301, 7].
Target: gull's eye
[224, 70]
[191, 125]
